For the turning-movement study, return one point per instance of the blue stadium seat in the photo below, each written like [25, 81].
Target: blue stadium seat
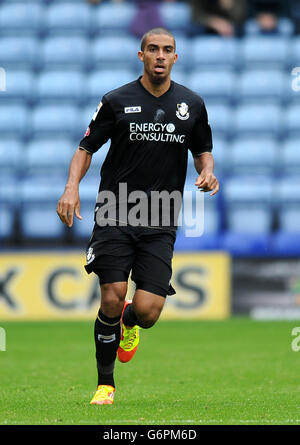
[14, 121]
[220, 118]
[179, 75]
[248, 203]
[8, 200]
[68, 19]
[214, 51]
[253, 156]
[65, 52]
[113, 19]
[288, 204]
[11, 157]
[38, 205]
[19, 52]
[62, 86]
[285, 27]
[291, 120]
[213, 84]
[115, 52]
[258, 119]
[101, 82]
[289, 157]
[183, 49]
[265, 51]
[294, 53]
[53, 120]
[21, 18]
[19, 87]
[261, 85]
[48, 156]
[176, 16]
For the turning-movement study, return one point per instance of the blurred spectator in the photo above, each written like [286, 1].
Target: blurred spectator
[223, 17]
[147, 17]
[95, 2]
[267, 13]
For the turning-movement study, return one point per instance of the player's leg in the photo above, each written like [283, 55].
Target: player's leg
[151, 272]
[110, 256]
[107, 331]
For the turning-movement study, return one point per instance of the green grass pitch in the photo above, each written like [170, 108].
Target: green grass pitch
[236, 371]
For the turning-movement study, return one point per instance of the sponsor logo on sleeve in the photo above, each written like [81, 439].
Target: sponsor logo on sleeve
[87, 133]
[97, 111]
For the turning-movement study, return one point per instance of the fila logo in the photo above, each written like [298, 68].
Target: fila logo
[132, 110]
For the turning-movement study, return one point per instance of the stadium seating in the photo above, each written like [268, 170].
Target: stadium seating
[14, 120]
[65, 52]
[64, 19]
[10, 157]
[59, 58]
[213, 84]
[19, 87]
[19, 52]
[50, 156]
[261, 85]
[285, 27]
[214, 52]
[265, 52]
[176, 16]
[8, 198]
[21, 19]
[102, 81]
[257, 118]
[115, 52]
[52, 119]
[112, 19]
[60, 87]
[289, 157]
[253, 156]
[38, 206]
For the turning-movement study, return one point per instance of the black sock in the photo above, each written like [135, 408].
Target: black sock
[107, 334]
[129, 317]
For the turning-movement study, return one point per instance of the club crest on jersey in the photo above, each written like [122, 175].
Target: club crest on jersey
[132, 110]
[182, 111]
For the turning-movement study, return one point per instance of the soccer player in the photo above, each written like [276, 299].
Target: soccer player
[152, 122]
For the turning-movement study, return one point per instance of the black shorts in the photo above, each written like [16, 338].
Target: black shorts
[115, 251]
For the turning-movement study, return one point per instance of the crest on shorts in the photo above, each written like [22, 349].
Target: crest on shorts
[182, 111]
[90, 256]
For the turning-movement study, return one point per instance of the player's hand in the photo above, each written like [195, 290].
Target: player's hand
[69, 204]
[207, 182]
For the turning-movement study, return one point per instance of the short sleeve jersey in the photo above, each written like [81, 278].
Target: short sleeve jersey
[150, 137]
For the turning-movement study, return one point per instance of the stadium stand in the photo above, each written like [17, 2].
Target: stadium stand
[60, 57]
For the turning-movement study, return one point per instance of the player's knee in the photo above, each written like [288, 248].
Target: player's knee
[112, 298]
[147, 316]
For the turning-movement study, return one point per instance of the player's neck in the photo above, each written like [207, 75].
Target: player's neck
[155, 89]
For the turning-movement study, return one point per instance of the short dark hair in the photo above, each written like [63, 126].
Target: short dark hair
[155, 31]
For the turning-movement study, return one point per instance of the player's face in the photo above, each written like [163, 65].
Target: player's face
[158, 57]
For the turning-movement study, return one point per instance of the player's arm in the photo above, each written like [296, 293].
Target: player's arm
[204, 164]
[201, 147]
[98, 132]
[69, 202]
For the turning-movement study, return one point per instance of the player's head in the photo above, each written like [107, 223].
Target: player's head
[158, 53]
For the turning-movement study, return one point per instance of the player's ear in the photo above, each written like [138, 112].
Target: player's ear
[141, 55]
[175, 57]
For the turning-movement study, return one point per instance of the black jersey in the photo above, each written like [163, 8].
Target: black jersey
[150, 137]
